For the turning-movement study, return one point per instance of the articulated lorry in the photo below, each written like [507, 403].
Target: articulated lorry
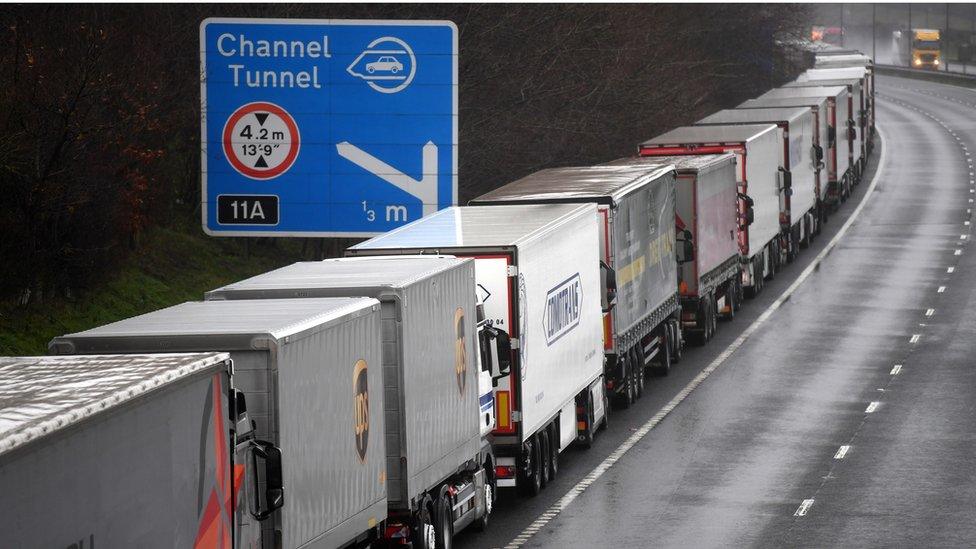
[437, 369]
[635, 213]
[800, 209]
[149, 450]
[707, 223]
[538, 273]
[841, 132]
[860, 99]
[762, 179]
[857, 61]
[311, 373]
[926, 49]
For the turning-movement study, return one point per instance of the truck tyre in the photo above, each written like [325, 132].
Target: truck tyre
[586, 438]
[730, 300]
[676, 341]
[546, 455]
[637, 358]
[663, 367]
[424, 531]
[553, 453]
[445, 520]
[605, 424]
[530, 484]
[481, 524]
[626, 397]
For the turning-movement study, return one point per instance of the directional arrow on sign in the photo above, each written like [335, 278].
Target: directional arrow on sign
[425, 188]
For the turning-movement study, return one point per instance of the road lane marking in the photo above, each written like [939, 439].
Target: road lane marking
[941, 289]
[842, 451]
[930, 312]
[958, 252]
[950, 270]
[872, 407]
[803, 508]
[915, 338]
[895, 370]
[598, 471]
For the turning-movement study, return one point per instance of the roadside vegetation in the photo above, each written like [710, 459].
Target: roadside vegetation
[99, 130]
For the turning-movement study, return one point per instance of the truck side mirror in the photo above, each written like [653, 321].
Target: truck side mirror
[787, 181]
[750, 213]
[274, 491]
[818, 153]
[503, 346]
[851, 130]
[687, 249]
[831, 136]
[608, 281]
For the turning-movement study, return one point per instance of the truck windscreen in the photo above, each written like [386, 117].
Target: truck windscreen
[926, 44]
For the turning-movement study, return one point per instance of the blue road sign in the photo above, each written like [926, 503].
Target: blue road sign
[326, 127]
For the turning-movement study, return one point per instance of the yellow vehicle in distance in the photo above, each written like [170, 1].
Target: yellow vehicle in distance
[926, 49]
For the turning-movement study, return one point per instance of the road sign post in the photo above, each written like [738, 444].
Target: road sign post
[326, 127]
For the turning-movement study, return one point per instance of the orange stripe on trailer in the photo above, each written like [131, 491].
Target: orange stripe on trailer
[503, 411]
[607, 332]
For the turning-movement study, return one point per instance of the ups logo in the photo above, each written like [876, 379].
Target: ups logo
[361, 397]
[460, 350]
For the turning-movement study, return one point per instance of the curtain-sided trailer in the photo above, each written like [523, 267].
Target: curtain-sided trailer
[800, 209]
[841, 119]
[538, 270]
[310, 370]
[762, 179]
[706, 219]
[635, 212]
[122, 451]
[438, 401]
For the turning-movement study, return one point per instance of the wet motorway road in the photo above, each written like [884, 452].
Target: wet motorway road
[844, 416]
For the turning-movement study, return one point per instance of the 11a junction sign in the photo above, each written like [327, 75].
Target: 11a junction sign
[326, 127]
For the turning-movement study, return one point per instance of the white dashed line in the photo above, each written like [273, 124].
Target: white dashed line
[958, 252]
[950, 270]
[930, 312]
[803, 508]
[872, 407]
[941, 289]
[914, 339]
[895, 370]
[962, 237]
[842, 451]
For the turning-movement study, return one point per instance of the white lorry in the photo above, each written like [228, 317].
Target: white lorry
[800, 211]
[538, 272]
[311, 372]
[437, 373]
[860, 87]
[635, 213]
[824, 138]
[125, 451]
[841, 119]
[762, 179]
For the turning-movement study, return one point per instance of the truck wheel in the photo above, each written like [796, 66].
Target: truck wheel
[445, 521]
[676, 341]
[663, 367]
[626, 397]
[481, 524]
[544, 469]
[730, 300]
[637, 355]
[605, 424]
[424, 533]
[530, 484]
[553, 453]
[586, 438]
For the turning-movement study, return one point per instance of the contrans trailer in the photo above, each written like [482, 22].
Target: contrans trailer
[538, 270]
[635, 212]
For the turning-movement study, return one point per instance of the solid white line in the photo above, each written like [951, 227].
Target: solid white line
[803, 508]
[642, 431]
[895, 370]
[872, 407]
[842, 451]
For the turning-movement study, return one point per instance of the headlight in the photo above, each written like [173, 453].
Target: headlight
[936, 62]
[918, 61]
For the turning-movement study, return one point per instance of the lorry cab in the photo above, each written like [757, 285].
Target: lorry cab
[926, 49]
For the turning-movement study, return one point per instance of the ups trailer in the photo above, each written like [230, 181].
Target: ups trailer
[823, 138]
[124, 451]
[635, 215]
[706, 223]
[438, 400]
[840, 118]
[762, 179]
[800, 209]
[310, 370]
[538, 273]
[860, 82]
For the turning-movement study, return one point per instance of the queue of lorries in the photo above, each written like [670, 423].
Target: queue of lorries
[385, 397]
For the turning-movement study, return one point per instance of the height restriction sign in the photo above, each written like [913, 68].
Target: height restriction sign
[326, 127]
